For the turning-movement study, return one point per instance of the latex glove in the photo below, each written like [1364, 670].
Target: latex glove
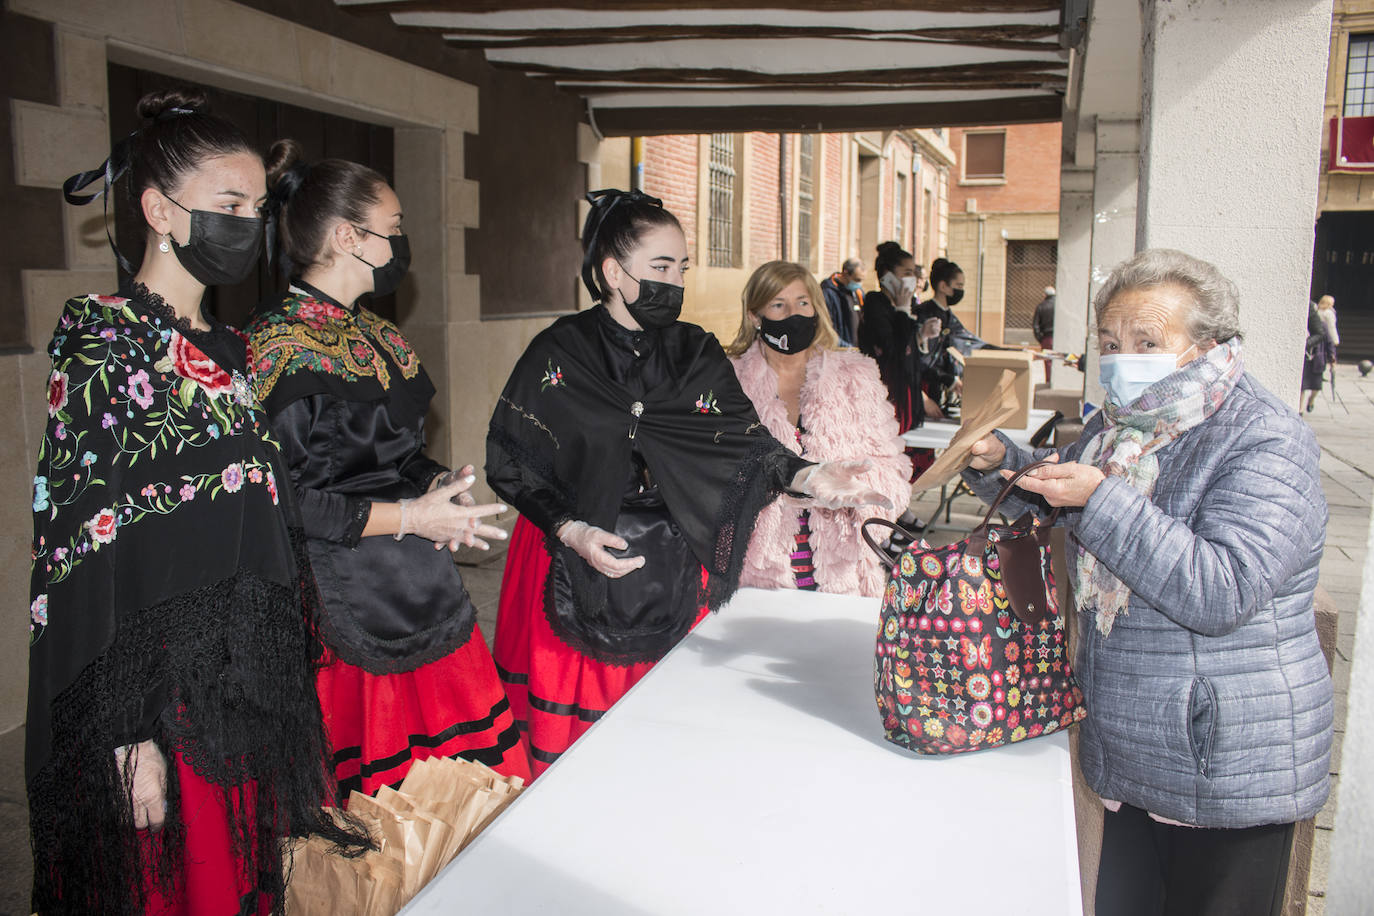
[836, 485]
[149, 782]
[437, 516]
[464, 498]
[590, 543]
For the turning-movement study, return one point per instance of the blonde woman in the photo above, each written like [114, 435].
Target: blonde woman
[1320, 349]
[823, 402]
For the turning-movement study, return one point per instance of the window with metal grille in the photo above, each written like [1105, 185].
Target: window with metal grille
[898, 224]
[721, 221]
[1030, 268]
[985, 155]
[806, 196]
[1359, 77]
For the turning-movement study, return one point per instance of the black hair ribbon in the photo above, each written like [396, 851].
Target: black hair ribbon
[603, 202]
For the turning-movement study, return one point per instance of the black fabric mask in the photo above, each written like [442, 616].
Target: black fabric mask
[658, 305]
[387, 278]
[222, 249]
[792, 334]
[955, 295]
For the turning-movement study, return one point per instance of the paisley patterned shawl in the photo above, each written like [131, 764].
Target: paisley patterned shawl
[305, 344]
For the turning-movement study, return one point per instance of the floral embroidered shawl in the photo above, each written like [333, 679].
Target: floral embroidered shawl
[168, 602]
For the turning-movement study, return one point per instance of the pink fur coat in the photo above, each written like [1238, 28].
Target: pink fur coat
[845, 411]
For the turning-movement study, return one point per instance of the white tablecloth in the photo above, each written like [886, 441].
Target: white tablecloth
[937, 433]
[748, 774]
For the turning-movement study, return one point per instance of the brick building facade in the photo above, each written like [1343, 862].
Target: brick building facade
[1004, 224]
[744, 199]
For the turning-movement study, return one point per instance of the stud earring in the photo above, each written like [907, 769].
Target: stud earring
[162, 246]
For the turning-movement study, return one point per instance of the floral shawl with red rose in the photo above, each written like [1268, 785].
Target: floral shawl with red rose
[167, 603]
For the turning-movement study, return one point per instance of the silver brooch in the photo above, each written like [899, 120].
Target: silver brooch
[243, 392]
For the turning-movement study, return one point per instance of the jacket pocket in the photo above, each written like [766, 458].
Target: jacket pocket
[1202, 722]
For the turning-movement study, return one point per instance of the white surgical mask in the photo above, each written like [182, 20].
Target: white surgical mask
[900, 288]
[1125, 376]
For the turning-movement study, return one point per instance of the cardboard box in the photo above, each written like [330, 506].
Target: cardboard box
[982, 373]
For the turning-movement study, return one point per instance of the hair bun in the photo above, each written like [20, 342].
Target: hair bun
[889, 246]
[939, 263]
[186, 99]
[286, 168]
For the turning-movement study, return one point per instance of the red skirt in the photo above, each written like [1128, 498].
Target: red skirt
[212, 880]
[556, 692]
[380, 724]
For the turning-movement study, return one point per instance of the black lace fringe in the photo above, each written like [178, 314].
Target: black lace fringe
[238, 658]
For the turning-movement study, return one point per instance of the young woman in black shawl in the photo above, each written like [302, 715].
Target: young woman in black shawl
[893, 338]
[409, 675]
[174, 737]
[638, 466]
[944, 374]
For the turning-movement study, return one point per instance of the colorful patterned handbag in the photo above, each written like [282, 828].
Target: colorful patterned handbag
[971, 647]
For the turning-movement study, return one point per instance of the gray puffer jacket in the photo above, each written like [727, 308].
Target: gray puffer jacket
[1210, 702]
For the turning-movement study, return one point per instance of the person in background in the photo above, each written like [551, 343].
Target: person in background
[1319, 351]
[408, 674]
[824, 403]
[944, 374]
[174, 739]
[892, 337]
[638, 467]
[1196, 524]
[844, 300]
[1042, 325]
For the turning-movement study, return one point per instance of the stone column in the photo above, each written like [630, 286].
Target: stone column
[1348, 889]
[1115, 189]
[1073, 272]
[1230, 140]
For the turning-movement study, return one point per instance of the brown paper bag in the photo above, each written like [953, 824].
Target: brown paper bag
[322, 883]
[995, 411]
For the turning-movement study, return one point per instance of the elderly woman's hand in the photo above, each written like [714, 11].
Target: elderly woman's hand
[1063, 485]
[988, 452]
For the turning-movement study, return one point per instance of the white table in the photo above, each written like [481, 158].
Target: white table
[748, 774]
[938, 433]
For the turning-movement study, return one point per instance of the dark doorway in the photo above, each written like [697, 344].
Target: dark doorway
[1343, 268]
[322, 136]
[1030, 268]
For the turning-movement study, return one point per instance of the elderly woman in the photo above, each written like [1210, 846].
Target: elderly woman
[1196, 522]
[823, 403]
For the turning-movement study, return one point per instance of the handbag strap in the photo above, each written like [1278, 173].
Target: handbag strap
[1006, 491]
[883, 556]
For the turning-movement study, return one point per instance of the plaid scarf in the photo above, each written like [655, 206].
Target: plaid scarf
[1128, 447]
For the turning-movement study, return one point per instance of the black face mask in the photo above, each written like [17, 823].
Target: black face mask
[955, 295]
[387, 278]
[222, 249]
[658, 305]
[792, 334]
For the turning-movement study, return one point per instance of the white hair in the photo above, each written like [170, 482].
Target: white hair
[1215, 312]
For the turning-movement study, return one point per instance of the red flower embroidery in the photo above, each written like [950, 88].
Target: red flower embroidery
[317, 313]
[189, 362]
[102, 526]
[57, 392]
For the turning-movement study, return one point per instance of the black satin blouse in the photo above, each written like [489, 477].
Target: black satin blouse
[389, 605]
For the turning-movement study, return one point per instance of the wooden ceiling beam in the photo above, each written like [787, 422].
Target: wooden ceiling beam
[1048, 83]
[1016, 38]
[630, 122]
[952, 75]
[819, 6]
